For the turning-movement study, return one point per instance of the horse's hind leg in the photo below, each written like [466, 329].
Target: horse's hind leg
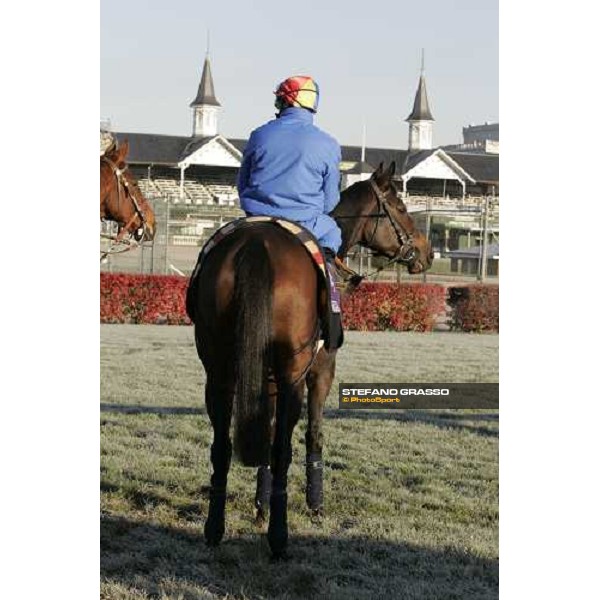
[264, 483]
[219, 401]
[319, 382]
[264, 476]
[289, 405]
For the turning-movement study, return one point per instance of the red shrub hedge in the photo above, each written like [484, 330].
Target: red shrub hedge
[128, 298]
[475, 308]
[393, 306]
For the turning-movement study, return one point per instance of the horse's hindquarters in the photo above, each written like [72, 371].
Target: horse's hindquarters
[294, 298]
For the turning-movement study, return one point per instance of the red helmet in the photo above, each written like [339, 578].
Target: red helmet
[300, 91]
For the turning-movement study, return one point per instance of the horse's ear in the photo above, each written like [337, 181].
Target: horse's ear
[391, 170]
[122, 152]
[378, 172]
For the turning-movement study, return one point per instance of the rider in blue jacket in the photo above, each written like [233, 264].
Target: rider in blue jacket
[290, 167]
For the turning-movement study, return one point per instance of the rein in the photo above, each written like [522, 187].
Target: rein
[117, 247]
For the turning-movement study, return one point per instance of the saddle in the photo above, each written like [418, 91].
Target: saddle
[332, 333]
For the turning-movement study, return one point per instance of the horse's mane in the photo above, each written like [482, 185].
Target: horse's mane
[350, 199]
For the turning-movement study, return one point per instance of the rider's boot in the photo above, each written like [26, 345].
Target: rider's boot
[345, 278]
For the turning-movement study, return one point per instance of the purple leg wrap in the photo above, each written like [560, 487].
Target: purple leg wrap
[336, 303]
[314, 481]
[264, 481]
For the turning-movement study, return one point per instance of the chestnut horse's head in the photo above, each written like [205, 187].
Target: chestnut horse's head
[383, 223]
[120, 197]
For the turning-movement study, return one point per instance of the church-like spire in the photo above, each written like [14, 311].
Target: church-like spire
[420, 120]
[205, 107]
[206, 89]
[420, 111]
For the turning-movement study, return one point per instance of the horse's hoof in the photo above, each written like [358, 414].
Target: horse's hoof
[316, 515]
[213, 535]
[261, 518]
[277, 543]
[280, 556]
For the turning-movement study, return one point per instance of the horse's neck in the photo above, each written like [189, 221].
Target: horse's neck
[353, 203]
[106, 189]
[112, 196]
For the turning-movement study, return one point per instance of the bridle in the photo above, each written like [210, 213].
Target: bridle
[120, 243]
[406, 252]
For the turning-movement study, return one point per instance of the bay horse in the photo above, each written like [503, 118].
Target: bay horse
[255, 304]
[121, 199]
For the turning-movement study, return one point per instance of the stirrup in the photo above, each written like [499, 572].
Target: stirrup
[346, 272]
[348, 280]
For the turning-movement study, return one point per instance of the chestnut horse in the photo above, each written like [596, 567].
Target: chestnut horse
[121, 199]
[255, 303]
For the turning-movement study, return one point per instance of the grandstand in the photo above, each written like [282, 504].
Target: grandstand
[191, 181]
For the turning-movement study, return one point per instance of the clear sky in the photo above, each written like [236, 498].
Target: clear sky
[366, 58]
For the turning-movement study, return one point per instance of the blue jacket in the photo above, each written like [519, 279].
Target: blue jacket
[290, 169]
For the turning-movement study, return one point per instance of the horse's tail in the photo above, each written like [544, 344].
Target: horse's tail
[252, 306]
[191, 294]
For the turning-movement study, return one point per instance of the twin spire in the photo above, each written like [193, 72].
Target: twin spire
[420, 111]
[206, 89]
[420, 120]
[206, 106]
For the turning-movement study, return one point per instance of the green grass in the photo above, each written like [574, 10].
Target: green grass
[411, 496]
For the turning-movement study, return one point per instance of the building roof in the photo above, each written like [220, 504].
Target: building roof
[156, 149]
[373, 156]
[195, 144]
[170, 150]
[483, 168]
[206, 89]
[420, 111]
[414, 158]
[360, 168]
[239, 144]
